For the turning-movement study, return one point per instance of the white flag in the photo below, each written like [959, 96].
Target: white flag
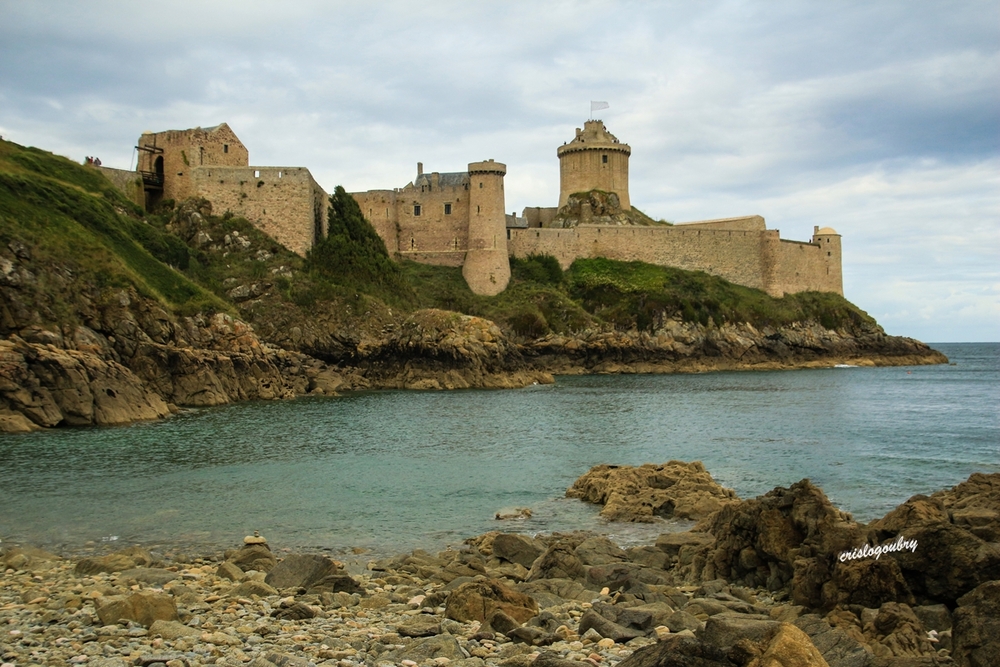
[597, 106]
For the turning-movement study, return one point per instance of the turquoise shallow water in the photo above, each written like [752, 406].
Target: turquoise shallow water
[395, 470]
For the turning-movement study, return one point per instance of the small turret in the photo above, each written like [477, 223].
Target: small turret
[828, 241]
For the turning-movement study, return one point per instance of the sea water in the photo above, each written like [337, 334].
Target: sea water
[395, 470]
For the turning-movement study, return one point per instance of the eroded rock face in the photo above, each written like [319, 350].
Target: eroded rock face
[783, 539]
[648, 492]
[438, 349]
[958, 538]
[43, 386]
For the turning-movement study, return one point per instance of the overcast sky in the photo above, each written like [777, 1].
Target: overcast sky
[880, 119]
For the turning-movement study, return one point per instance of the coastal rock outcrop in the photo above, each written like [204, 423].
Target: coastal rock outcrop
[439, 349]
[674, 346]
[648, 492]
[957, 532]
[43, 386]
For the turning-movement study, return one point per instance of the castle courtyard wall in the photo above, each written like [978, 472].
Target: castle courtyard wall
[285, 203]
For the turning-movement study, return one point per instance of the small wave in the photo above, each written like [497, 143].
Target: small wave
[844, 366]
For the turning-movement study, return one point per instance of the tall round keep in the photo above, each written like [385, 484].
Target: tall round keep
[828, 241]
[594, 160]
[487, 267]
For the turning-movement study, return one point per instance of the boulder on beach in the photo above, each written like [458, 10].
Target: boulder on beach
[141, 607]
[673, 490]
[477, 600]
[781, 540]
[126, 559]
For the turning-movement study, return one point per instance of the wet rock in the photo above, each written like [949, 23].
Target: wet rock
[955, 552]
[670, 490]
[478, 600]
[141, 607]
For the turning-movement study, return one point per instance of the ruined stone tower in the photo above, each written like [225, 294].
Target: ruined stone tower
[594, 160]
[487, 267]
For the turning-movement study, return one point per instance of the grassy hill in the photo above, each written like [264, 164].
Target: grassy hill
[189, 260]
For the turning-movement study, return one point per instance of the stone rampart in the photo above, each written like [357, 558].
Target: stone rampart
[755, 258]
[284, 202]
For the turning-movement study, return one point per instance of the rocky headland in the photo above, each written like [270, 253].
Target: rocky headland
[758, 582]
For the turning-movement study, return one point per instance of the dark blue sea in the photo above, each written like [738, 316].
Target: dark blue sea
[390, 471]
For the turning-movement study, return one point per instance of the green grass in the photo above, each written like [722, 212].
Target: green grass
[629, 294]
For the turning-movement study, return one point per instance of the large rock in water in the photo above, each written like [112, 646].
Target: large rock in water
[957, 532]
[670, 490]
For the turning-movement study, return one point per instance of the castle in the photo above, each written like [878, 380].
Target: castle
[458, 218]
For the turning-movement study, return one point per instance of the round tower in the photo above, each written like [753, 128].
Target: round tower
[594, 160]
[487, 267]
[828, 241]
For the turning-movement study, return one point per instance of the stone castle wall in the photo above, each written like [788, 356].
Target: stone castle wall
[755, 258]
[283, 202]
